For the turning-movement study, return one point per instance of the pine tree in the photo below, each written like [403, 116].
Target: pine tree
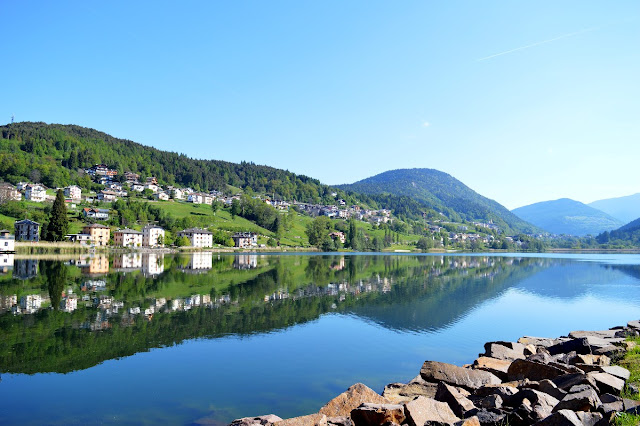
[58, 222]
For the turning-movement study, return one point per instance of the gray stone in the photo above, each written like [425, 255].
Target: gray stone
[525, 369]
[433, 371]
[585, 399]
[608, 383]
[458, 403]
[568, 369]
[610, 351]
[339, 421]
[537, 341]
[550, 388]
[491, 401]
[399, 393]
[611, 403]
[603, 334]
[631, 406]
[310, 420]
[592, 360]
[541, 402]
[343, 404]
[498, 367]
[498, 351]
[530, 350]
[634, 324]
[589, 419]
[567, 381]
[561, 418]
[488, 418]
[505, 392]
[471, 421]
[422, 410]
[267, 420]
[632, 388]
[617, 371]
[580, 346]
[377, 414]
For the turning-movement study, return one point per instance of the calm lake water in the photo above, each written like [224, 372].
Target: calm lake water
[137, 339]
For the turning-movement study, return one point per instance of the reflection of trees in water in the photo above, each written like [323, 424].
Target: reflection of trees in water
[56, 278]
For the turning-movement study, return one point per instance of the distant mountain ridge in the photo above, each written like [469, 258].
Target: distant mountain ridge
[442, 192]
[566, 216]
[626, 209]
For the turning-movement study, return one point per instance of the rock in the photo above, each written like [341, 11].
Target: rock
[603, 334]
[488, 418]
[589, 419]
[422, 410]
[592, 360]
[498, 367]
[607, 383]
[339, 421]
[580, 346]
[377, 414]
[542, 356]
[561, 418]
[617, 371]
[550, 388]
[611, 403]
[492, 401]
[458, 403]
[467, 378]
[343, 404]
[267, 420]
[542, 404]
[526, 369]
[610, 351]
[530, 350]
[537, 341]
[471, 421]
[310, 420]
[634, 324]
[632, 388]
[631, 406]
[399, 393]
[564, 359]
[568, 369]
[503, 391]
[498, 351]
[567, 381]
[585, 400]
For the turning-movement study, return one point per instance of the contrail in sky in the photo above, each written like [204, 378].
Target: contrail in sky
[538, 43]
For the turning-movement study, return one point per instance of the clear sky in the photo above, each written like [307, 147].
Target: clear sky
[521, 101]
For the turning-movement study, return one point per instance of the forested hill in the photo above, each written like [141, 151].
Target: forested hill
[55, 152]
[442, 192]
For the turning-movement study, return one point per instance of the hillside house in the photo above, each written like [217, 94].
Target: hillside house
[245, 239]
[74, 192]
[35, 193]
[137, 187]
[130, 177]
[161, 196]
[97, 214]
[337, 235]
[100, 234]
[7, 242]
[152, 236]
[27, 230]
[178, 194]
[107, 196]
[197, 237]
[127, 238]
[9, 192]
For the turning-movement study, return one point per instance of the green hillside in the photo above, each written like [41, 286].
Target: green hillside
[439, 191]
[566, 216]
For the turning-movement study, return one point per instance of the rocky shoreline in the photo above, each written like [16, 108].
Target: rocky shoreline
[569, 380]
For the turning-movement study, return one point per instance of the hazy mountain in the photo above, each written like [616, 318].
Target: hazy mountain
[566, 216]
[439, 191]
[624, 209]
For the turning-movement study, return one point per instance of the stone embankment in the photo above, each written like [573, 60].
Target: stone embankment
[534, 381]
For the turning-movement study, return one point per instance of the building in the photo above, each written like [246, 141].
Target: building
[27, 230]
[83, 239]
[161, 196]
[35, 193]
[337, 235]
[152, 236]
[177, 193]
[127, 238]
[152, 264]
[7, 242]
[197, 237]
[97, 214]
[74, 192]
[107, 196]
[245, 239]
[131, 177]
[9, 192]
[100, 234]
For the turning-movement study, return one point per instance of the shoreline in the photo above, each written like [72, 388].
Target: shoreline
[568, 380]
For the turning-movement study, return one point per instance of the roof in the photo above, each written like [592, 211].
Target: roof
[153, 227]
[128, 231]
[26, 222]
[244, 235]
[195, 231]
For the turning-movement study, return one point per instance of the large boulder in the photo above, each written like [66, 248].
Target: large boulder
[498, 367]
[537, 341]
[458, 403]
[343, 404]
[561, 418]
[267, 420]
[377, 414]
[542, 404]
[608, 383]
[521, 369]
[617, 371]
[433, 371]
[567, 381]
[504, 350]
[583, 398]
[611, 403]
[579, 346]
[422, 410]
[399, 393]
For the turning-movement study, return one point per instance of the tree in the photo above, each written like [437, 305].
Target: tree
[215, 206]
[424, 243]
[58, 222]
[318, 233]
[235, 208]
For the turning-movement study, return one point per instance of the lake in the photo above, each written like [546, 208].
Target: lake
[206, 338]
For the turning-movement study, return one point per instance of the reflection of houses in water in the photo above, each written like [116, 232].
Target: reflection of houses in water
[6, 262]
[7, 302]
[96, 265]
[127, 262]
[245, 261]
[25, 268]
[339, 265]
[152, 264]
[94, 285]
[199, 263]
[30, 303]
[69, 304]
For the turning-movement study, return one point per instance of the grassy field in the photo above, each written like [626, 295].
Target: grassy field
[631, 362]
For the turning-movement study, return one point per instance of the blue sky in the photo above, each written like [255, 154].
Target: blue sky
[521, 101]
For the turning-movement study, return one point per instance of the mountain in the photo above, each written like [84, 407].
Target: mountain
[627, 235]
[442, 192]
[566, 216]
[624, 209]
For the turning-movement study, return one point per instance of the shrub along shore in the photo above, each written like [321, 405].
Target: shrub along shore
[570, 380]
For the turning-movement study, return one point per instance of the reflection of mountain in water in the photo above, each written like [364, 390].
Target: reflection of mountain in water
[448, 295]
[127, 311]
